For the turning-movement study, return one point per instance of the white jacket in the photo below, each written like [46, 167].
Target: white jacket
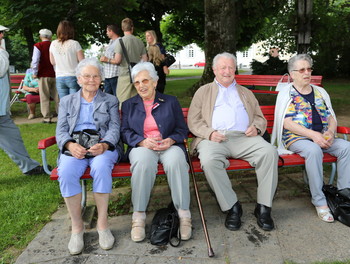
[283, 100]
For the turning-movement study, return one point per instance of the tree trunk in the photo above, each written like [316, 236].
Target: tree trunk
[220, 29]
[28, 34]
[304, 8]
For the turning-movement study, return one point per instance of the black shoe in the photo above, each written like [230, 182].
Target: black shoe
[233, 218]
[263, 215]
[37, 170]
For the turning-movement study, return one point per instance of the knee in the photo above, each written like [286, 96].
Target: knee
[313, 151]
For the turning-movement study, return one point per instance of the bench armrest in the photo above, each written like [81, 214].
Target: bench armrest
[343, 130]
[43, 144]
[47, 142]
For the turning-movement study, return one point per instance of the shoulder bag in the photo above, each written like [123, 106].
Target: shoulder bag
[130, 64]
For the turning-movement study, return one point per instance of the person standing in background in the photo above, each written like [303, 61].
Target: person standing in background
[155, 57]
[151, 39]
[10, 137]
[43, 69]
[110, 68]
[65, 54]
[136, 51]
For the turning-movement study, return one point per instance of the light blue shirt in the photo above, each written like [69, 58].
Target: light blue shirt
[86, 120]
[229, 111]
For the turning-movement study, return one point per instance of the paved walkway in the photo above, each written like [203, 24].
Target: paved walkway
[299, 237]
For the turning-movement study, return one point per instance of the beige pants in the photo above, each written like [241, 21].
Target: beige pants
[259, 153]
[47, 90]
[125, 89]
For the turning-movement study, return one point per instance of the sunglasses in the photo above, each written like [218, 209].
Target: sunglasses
[144, 81]
[304, 70]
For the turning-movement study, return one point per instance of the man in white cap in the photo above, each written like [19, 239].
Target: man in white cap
[10, 137]
[2, 32]
[43, 69]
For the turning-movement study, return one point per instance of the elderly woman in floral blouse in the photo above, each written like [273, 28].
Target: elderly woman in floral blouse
[305, 123]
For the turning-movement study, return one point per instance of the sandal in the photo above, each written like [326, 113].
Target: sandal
[325, 214]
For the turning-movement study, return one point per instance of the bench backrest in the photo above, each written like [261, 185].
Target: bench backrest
[15, 80]
[270, 80]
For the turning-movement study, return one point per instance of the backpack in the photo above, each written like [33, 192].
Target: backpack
[165, 227]
[338, 202]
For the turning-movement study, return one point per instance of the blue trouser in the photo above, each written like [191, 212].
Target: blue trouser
[66, 85]
[313, 155]
[70, 170]
[110, 85]
[11, 142]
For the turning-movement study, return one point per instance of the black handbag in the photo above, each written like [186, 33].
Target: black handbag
[338, 202]
[166, 227]
[86, 138]
[169, 60]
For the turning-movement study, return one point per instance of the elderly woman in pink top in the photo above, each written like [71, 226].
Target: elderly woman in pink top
[154, 129]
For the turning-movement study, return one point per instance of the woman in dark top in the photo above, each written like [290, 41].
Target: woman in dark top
[155, 57]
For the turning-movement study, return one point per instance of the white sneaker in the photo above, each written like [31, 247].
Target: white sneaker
[106, 239]
[76, 243]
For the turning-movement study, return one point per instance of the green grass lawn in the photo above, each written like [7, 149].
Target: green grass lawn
[29, 201]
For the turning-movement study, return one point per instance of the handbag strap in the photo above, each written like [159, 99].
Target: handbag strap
[126, 57]
[178, 235]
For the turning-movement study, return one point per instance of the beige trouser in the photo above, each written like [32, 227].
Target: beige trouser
[47, 90]
[125, 89]
[259, 153]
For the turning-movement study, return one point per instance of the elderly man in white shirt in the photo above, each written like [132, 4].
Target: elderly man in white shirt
[227, 122]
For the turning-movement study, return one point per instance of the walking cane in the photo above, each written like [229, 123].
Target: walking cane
[210, 250]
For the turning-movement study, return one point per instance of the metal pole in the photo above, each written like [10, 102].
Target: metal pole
[210, 250]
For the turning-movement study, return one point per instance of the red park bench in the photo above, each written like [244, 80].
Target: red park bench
[121, 170]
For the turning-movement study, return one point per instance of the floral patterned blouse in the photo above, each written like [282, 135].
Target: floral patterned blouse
[301, 112]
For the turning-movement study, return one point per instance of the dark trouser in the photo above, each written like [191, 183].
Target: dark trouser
[111, 85]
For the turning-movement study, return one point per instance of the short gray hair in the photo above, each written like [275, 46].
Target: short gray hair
[144, 66]
[296, 58]
[89, 62]
[225, 55]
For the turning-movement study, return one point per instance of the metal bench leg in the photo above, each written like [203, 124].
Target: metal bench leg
[306, 179]
[45, 165]
[334, 169]
[83, 195]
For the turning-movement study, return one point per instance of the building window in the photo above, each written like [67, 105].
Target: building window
[191, 53]
[245, 54]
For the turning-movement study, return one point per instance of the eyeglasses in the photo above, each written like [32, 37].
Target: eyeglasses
[144, 82]
[304, 70]
[89, 76]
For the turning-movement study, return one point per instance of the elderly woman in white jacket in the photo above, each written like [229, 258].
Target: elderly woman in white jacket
[305, 124]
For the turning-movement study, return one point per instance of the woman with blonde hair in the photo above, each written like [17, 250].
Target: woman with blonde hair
[155, 57]
[151, 39]
[65, 54]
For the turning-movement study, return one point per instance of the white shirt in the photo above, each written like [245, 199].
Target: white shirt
[229, 111]
[66, 57]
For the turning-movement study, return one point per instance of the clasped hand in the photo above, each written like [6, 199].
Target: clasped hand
[79, 151]
[324, 140]
[154, 144]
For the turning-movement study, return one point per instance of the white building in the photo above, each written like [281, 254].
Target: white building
[192, 54]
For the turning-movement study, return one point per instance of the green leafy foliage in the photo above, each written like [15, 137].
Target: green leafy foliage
[272, 66]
